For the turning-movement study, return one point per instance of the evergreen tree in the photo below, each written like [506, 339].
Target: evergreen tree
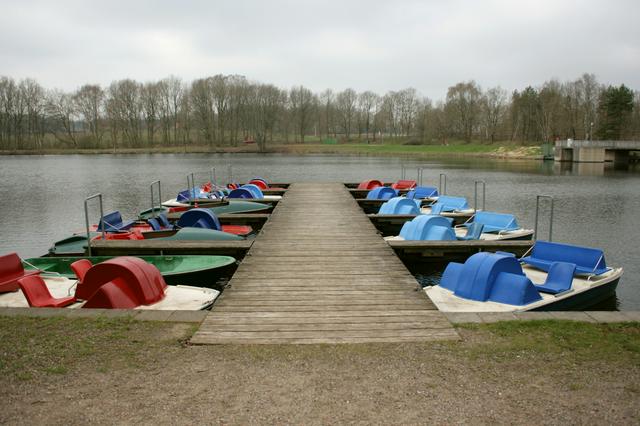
[614, 107]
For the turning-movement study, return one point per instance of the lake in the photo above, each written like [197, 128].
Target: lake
[595, 205]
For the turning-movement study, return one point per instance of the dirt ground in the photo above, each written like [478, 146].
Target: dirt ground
[150, 376]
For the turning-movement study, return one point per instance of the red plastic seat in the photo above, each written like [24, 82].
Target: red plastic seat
[37, 294]
[80, 268]
[404, 184]
[370, 184]
[259, 183]
[11, 270]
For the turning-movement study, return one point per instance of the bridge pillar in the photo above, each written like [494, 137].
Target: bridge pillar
[588, 155]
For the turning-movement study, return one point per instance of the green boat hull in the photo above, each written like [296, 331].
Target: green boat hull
[232, 207]
[201, 271]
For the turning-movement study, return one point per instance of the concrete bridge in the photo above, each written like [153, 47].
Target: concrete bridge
[596, 151]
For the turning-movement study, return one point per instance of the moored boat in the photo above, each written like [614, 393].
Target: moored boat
[554, 277]
[118, 283]
[190, 269]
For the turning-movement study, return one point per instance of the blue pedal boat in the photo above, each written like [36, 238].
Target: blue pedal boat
[554, 276]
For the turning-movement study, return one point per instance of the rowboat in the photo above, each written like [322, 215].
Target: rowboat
[192, 269]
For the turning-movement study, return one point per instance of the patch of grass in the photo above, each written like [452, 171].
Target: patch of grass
[32, 347]
[570, 340]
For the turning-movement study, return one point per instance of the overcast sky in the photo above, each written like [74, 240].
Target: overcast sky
[367, 45]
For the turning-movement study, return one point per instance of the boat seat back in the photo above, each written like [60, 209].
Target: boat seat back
[112, 222]
[259, 183]
[474, 231]
[400, 205]
[370, 184]
[37, 294]
[489, 276]
[190, 194]
[404, 184]
[138, 282]
[587, 260]
[155, 225]
[80, 268]
[559, 278]
[496, 222]
[241, 193]
[418, 228]
[199, 218]
[382, 193]
[163, 220]
[420, 192]
[254, 189]
[11, 270]
[447, 203]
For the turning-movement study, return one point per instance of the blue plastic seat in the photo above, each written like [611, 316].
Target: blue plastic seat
[112, 222]
[490, 277]
[495, 222]
[587, 260]
[164, 221]
[241, 193]
[474, 231]
[254, 189]
[420, 192]
[199, 218]
[155, 225]
[382, 193]
[559, 278]
[446, 203]
[400, 205]
[428, 227]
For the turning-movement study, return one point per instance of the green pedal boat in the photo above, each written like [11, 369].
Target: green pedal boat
[201, 271]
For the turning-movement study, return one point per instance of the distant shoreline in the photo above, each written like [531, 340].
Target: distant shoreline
[377, 150]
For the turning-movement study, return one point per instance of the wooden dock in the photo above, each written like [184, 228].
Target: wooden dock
[319, 273]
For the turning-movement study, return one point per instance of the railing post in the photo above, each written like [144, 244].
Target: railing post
[230, 173]
[86, 219]
[535, 229]
[475, 194]
[442, 189]
[153, 205]
[402, 172]
[214, 181]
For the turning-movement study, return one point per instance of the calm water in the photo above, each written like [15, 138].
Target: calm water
[595, 205]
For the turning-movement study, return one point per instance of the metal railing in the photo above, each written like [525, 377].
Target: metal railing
[86, 219]
[191, 183]
[153, 204]
[442, 190]
[475, 194]
[212, 175]
[535, 229]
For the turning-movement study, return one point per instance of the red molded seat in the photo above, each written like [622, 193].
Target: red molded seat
[11, 270]
[370, 184]
[259, 183]
[404, 184]
[80, 268]
[37, 294]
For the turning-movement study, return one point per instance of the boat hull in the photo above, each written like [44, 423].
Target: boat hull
[200, 271]
[583, 300]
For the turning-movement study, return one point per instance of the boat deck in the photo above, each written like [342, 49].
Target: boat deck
[319, 273]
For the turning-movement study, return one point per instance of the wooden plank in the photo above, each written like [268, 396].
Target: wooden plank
[327, 280]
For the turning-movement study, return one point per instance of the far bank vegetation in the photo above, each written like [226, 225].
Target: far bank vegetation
[231, 111]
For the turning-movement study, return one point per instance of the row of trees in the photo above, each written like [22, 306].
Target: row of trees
[224, 110]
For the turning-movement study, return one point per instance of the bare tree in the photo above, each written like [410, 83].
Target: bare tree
[89, 102]
[463, 107]
[346, 108]
[302, 102]
[61, 108]
[494, 105]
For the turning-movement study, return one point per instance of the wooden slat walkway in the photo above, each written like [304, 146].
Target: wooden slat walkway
[319, 273]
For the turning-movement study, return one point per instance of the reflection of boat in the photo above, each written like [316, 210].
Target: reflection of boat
[174, 269]
[119, 283]
[554, 277]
